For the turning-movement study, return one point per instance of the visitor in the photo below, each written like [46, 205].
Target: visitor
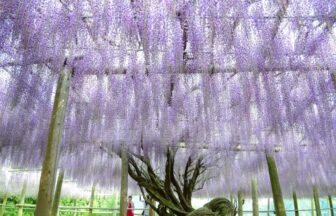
[130, 207]
[145, 212]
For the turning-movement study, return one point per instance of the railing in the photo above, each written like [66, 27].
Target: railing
[115, 211]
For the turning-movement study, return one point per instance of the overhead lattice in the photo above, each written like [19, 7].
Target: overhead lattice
[236, 78]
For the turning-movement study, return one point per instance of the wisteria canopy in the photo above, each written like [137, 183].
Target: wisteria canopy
[228, 79]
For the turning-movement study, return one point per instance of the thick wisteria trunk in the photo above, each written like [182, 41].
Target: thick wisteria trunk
[50, 163]
[4, 202]
[240, 203]
[57, 197]
[276, 187]
[296, 205]
[331, 205]
[22, 198]
[124, 182]
[317, 201]
[255, 198]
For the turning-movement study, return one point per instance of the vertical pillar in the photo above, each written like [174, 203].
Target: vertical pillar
[268, 207]
[312, 207]
[240, 203]
[22, 198]
[276, 187]
[296, 205]
[124, 182]
[50, 163]
[317, 201]
[92, 199]
[330, 205]
[56, 200]
[3, 207]
[75, 204]
[255, 198]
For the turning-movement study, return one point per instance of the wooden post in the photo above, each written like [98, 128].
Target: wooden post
[312, 207]
[92, 199]
[56, 200]
[50, 163]
[240, 203]
[22, 199]
[3, 207]
[276, 187]
[317, 201]
[75, 204]
[330, 205]
[255, 198]
[296, 205]
[268, 207]
[124, 182]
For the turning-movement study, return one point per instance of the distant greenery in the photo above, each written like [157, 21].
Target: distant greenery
[100, 202]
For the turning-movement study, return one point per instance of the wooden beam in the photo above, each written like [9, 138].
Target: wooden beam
[276, 187]
[50, 163]
[57, 197]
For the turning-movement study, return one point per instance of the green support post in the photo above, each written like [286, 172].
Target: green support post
[57, 197]
[317, 201]
[92, 199]
[124, 182]
[276, 187]
[255, 198]
[296, 205]
[3, 207]
[331, 205]
[75, 204]
[22, 199]
[312, 207]
[50, 163]
[240, 203]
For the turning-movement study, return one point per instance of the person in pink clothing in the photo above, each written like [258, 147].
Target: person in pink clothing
[130, 206]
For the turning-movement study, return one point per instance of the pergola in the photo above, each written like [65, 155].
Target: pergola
[248, 85]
